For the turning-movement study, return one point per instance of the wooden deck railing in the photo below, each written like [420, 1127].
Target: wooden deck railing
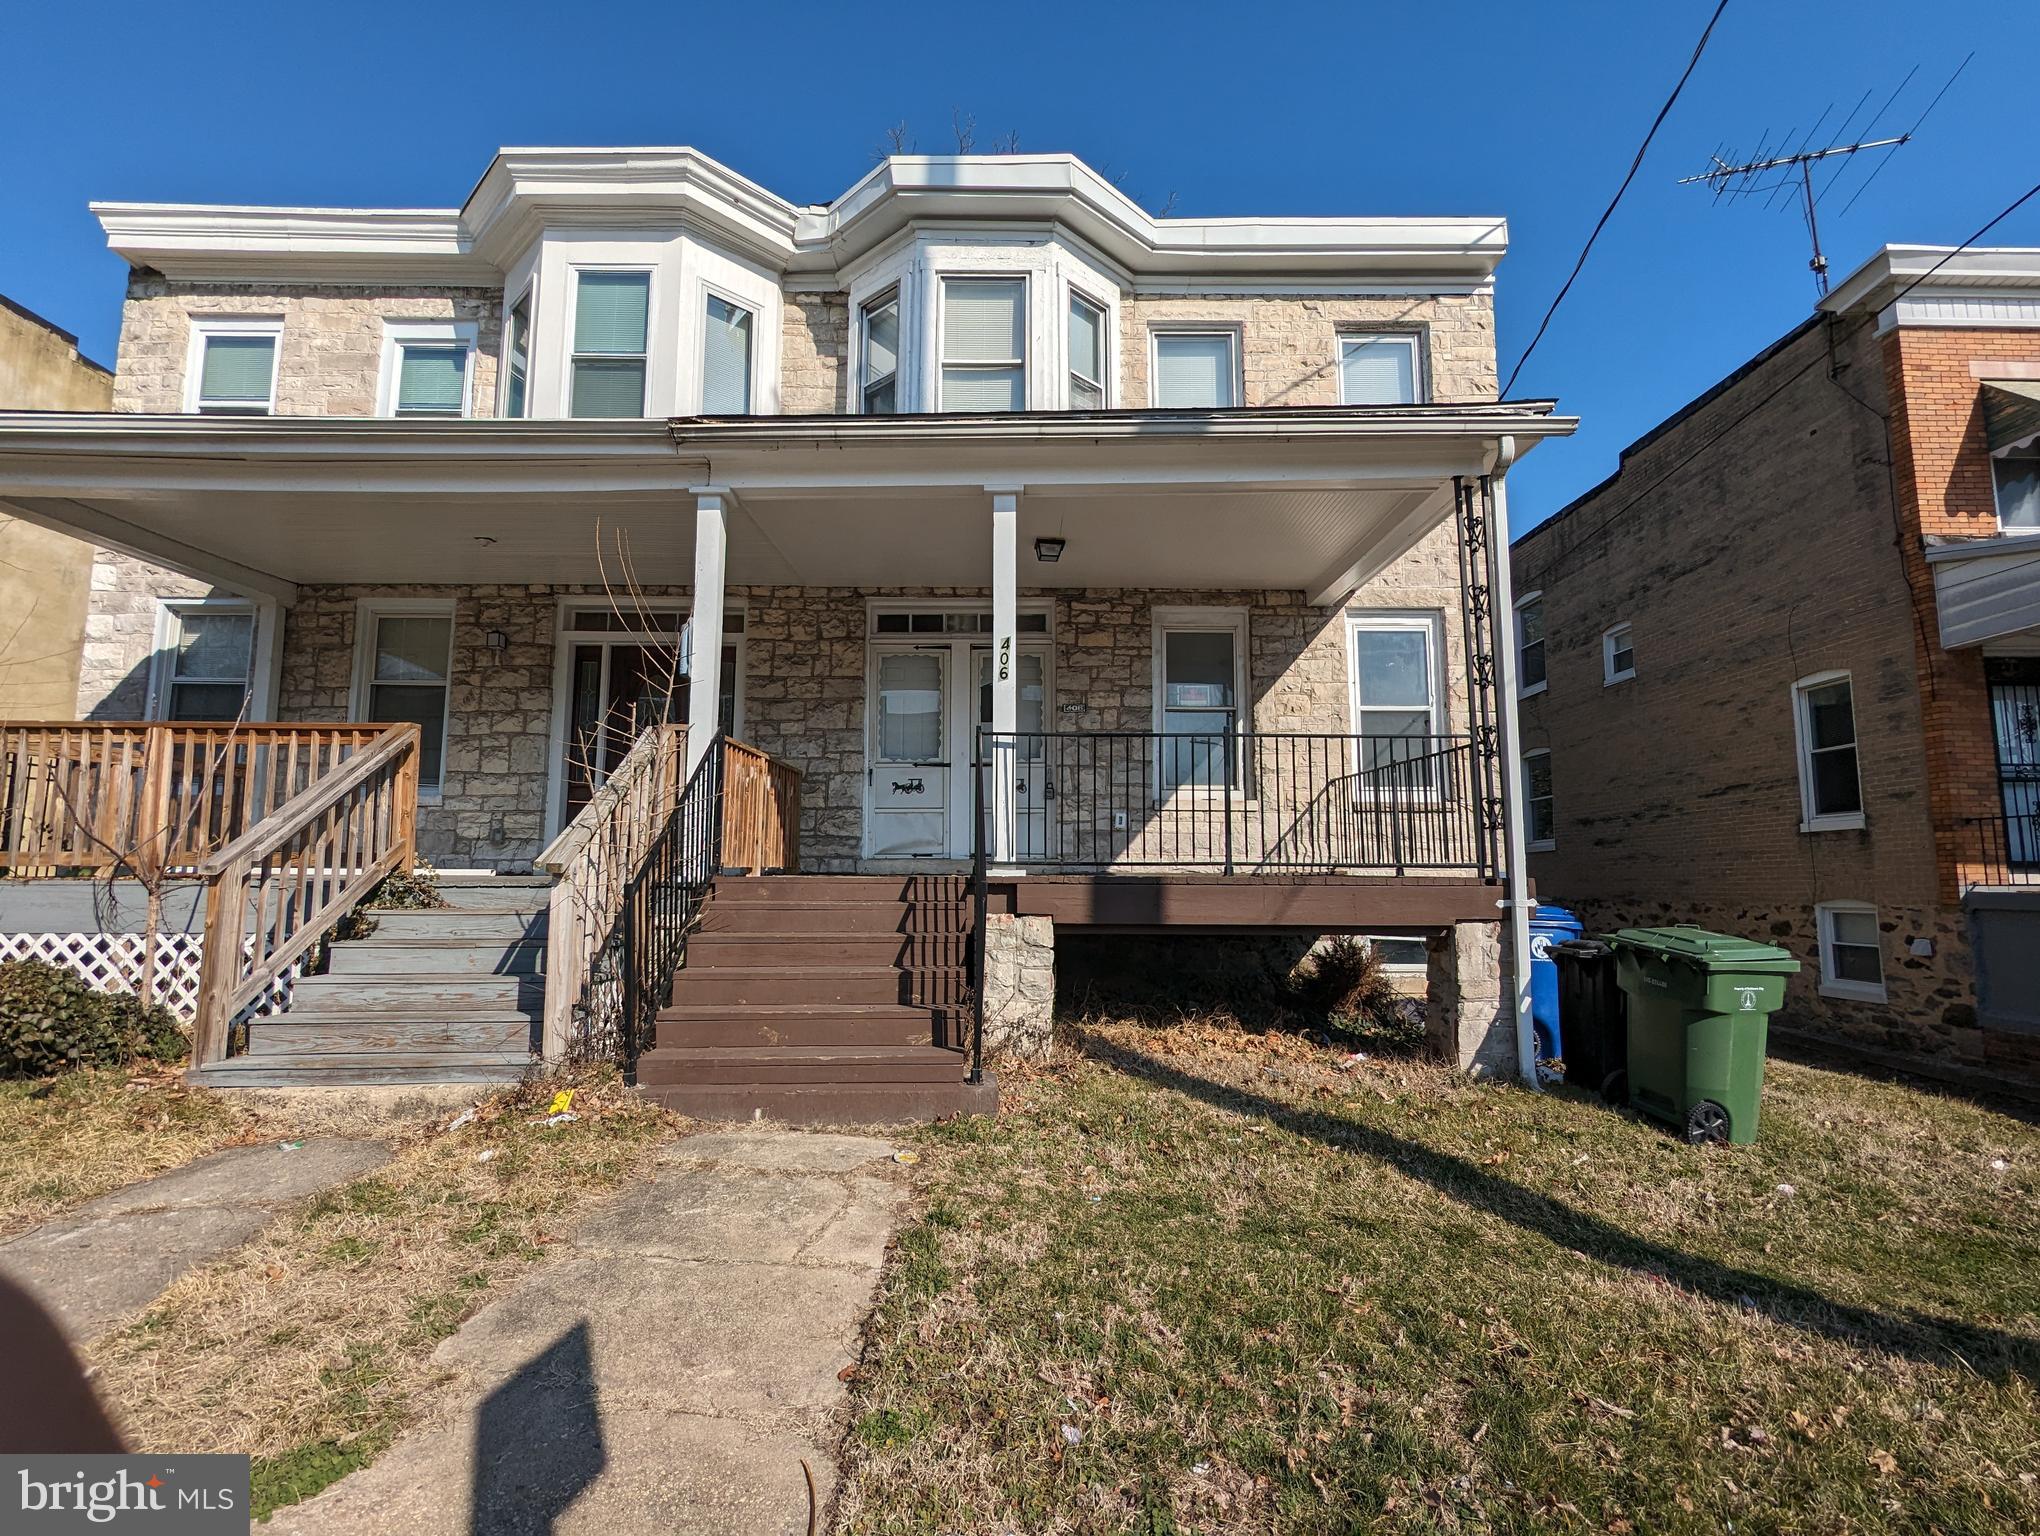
[296, 872]
[86, 797]
[761, 811]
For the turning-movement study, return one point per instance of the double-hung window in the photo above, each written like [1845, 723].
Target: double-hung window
[726, 359]
[233, 367]
[517, 368]
[1396, 698]
[1087, 354]
[984, 343]
[425, 368]
[1530, 644]
[880, 356]
[1539, 825]
[1830, 787]
[2015, 475]
[404, 669]
[1196, 370]
[205, 660]
[1851, 958]
[1618, 655]
[1379, 370]
[612, 314]
[1200, 654]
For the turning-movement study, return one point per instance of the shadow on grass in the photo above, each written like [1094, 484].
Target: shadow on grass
[1907, 1334]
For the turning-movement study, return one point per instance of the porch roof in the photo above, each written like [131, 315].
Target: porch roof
[1293, 498]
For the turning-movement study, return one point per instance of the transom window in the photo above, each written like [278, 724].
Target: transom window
[1196, 370]
[1539, 825]
[517, 389]
[962, 621]
[1087, 354]
[726, 359]
[1396, 705]
[1618, 655]
[234, 367]
[206, 660]
[406, 664]
[1530, 644]
[1851, 956]
[612, 313]
[984, 344]
[1830, 787]
[881, 355]
[1378, 370]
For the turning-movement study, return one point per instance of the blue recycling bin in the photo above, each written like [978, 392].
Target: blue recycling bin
[1549, 926]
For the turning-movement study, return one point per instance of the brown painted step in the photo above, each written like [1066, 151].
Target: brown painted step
[828, 1103]
[812, 888]
[803, 917]
[826, 949]
[794, 1025]
[801, 1064]
[738, 985]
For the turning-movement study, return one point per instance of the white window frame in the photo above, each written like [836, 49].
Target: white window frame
[1026, 280]
[1420, 389]
[1998, 507]
[653, 320]
[1076, 294]
[860, 382]
[1544, 682]
[398, 334]
[1399, 967]
[1832, 985]
[367, 612]
[202, 331]
[1609, 675]
[1232, 335]
[170, 613]
[1390, 620]
[1802, 734]
[1538, 844]
[528, 298]
[754, 371]
[1200, 620]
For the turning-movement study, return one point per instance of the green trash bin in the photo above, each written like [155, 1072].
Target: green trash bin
[1700, 1006]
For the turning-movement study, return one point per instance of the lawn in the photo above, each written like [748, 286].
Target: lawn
[1197, 1279]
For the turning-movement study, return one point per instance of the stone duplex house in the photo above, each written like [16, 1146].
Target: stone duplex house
[1779, 670]
[1166, 543]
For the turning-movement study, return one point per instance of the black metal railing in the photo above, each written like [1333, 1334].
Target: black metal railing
[980, 901]
[2004, 850]
[1243, 803]
[664, 897]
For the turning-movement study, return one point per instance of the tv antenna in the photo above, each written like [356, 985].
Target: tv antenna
[1732, 178]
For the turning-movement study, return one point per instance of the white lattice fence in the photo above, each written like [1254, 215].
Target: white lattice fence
[112, 962]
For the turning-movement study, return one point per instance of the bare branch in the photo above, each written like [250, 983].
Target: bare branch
[965, 126]
[896, 140]
[1007, 143]
[1168, 207]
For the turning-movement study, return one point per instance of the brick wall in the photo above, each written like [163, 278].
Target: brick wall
[1751, 542]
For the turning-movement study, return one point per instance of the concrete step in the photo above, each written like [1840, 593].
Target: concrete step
[739, 985]
[370, 1069]
[828, 1103]
[505, 927]
[384, 955]
[364, 1033]
[803, 917]
[801, 1064]
[421, 992]
[795, 1025]
[828, 949]
[497, 893]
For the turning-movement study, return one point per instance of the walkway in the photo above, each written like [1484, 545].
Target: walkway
[667, 1372]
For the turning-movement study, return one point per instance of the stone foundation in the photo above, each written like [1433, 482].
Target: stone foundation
[1467, 1017]
[1019, 984]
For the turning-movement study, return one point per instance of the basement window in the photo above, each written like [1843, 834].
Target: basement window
[1851, 958]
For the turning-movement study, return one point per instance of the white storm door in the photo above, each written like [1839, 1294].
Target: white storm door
[907, 794]
[1033, 789]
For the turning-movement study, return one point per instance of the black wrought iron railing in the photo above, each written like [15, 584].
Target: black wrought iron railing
[663, 898]
[1250, 802]
[2003, 851]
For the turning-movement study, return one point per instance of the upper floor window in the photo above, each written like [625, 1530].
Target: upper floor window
[2015, 476]
[425, 368]
[233, 367]
[1196, 370]
[1618, 655]
[726, 359]
[1087, 354]
[1540, 826]
[1378, 370]
[1530, 644]
[517, 387]
[205, 659]
[984, 344]
[1824, 720]
[881, 355]
[612, 313]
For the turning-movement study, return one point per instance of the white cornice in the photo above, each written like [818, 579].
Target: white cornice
[315, 244]
[2011, 270]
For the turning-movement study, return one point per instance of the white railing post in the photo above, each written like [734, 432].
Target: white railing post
[1005, 673]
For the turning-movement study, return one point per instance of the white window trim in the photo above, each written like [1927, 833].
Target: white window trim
[1200, 619]
[202, 330]
[1430, 620]
[1832, 985]
[1609, 676]
[1544, 682]
[653, 320]
[1420, 383]
[366, 612]
[754, 373]
[1399, 968]
[1075, 293]
[1538, 844]
[1028, 287]
[528, 297]
[398, 334]
[1997, 507]
[1802, 737]
[1230, 330]
[261, 683]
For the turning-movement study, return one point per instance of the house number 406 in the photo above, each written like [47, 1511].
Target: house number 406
[1005, 657]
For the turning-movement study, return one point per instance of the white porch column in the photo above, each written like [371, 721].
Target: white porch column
[1508, 747]
[1005, 670]
[704, 677]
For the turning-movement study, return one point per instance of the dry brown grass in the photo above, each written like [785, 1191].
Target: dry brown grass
[310, 1347]
[67, 1139]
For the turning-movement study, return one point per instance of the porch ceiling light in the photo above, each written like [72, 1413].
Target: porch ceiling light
[1048, 551]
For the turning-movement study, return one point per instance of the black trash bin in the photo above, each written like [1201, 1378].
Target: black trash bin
[1593, 1018]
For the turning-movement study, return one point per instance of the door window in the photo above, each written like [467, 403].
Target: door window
[910, 707]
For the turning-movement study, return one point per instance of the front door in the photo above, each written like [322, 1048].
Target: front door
[1033, 790]
[619, 689]
[912, 747]
[2015, 721]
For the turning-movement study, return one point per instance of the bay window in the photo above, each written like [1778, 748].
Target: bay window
[1087, 354]
[726, 359]
[984, 344]
[517, 387]
[612, 313]
[881, 355]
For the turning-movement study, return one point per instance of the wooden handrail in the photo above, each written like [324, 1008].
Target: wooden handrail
[761, 811]
[298, 811]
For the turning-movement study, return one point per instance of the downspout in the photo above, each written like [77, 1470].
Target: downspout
[1501, 620]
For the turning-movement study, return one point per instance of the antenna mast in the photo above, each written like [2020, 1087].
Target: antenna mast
[1736, 181]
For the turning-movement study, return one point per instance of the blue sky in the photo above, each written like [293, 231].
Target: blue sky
[1271, 108]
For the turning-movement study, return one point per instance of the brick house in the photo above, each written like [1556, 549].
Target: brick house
[1780, 668]
[1166, 541]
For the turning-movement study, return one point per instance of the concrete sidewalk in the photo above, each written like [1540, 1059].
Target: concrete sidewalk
[114, 1255]
[667, 1373]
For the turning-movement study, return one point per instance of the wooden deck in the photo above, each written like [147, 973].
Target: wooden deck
[1212, 903]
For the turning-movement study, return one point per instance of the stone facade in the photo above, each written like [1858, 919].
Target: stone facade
[120, 633]
[1467, 1017]
[814, 352]
[1019, 984]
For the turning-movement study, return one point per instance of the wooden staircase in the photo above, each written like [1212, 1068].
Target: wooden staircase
[820, 999]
